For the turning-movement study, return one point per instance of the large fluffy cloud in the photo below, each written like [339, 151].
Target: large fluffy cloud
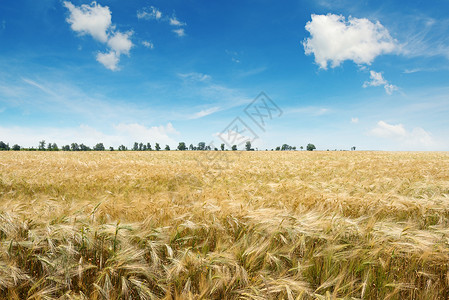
[91, 19]
[333, 39]
[417, 137]
[95, 20]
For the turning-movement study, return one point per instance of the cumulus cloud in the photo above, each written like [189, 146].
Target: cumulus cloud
[378, 80]
[417, 137]
[95, 20]
[120, 42]
[354, 120]
[334, 40]
[109, 60]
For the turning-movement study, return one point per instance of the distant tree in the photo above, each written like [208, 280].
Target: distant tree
[42, 145]
[140, 146]
[157, 147]
[207, 148]
[3, 146]
[122, 148]
[182, 146]
[65, 148]
[136, 146]
[54, 147]
[201, 146]
[301, 147]
[222, 146]
[167, 148]
[248, 146]
[111, 148]
[16, 147]
[49, 147]
[75, 147]
[215, 149]
[278, 148]
[191, 147]
[353, 148]
[294, 148]
[234, 148]
[99, 147]
[149, 147]
[310, 147]
[284, 147]
[144, 148]
[84, 147]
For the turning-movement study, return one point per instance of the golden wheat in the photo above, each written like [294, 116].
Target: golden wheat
[224, 225]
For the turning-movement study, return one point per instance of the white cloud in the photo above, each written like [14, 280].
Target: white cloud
[153, 13]
[110, 60]
[148, 44]
[179, 32]
[137, 132]
[95, 20]
[195, 76]
[334, 40]
[204, 112]
[417, 137]
[119, 134]
[121, 43]
[150, 13]
[175, 22]
[377, 80]
[91, 19]
[354, 120]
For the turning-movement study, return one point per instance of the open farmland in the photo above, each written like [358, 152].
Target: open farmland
[268, 225]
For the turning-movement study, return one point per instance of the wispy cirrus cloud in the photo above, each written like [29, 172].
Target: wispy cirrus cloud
[153, 13]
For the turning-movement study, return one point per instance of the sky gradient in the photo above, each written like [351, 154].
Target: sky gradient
[369, 74]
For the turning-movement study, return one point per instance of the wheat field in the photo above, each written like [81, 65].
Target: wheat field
[224, 225]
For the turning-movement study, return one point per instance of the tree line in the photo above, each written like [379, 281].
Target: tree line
[201, 146]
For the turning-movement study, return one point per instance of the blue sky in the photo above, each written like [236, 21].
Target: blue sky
[370, 74]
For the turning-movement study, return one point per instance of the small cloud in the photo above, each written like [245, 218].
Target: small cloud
[121, 42]
[195, 76]
[179, 32]
[378, 80]
[333, 39]
[110, 60]
[150, 13]
[153, 13]
[204, 112]
[354, 120]
[175, 22]
[148, 44]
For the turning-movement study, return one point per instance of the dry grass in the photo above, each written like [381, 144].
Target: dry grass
[273, 225]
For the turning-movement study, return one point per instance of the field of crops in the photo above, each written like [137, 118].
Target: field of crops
[246, 225]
